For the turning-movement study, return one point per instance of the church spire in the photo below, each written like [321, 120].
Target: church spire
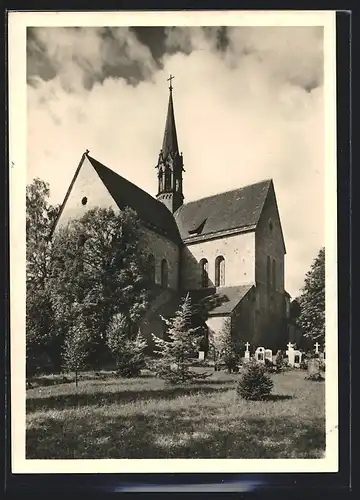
[170, 143]
[170, 162]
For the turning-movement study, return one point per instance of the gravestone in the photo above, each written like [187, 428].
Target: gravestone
[260, 355]
[290, 354]
[313, 368]
[201, 355]
[247, 352]
[269, 354]
[297, 358]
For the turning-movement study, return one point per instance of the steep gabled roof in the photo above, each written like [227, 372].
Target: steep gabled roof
[151, 212]
[237, 209]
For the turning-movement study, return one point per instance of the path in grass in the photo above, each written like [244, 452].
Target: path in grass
[142, 418]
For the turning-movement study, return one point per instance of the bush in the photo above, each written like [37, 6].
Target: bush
[279, 362]
[254, 384]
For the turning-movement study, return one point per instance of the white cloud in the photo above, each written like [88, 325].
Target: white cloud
[242, 116]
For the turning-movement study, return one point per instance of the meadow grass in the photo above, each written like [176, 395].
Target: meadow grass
[109, 417]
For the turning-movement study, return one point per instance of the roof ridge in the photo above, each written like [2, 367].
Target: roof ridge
[228, 191]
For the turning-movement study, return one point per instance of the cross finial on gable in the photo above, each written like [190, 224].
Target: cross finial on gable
[87, 151]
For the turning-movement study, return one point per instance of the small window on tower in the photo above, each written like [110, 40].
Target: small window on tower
[84, 200]
[271, 225]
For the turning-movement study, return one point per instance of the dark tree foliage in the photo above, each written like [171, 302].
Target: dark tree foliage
[312, 301]
[97, 263]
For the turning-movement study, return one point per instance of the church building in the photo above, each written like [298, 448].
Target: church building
[226, 250]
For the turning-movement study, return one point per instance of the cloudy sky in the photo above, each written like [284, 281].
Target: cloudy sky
[248, 106]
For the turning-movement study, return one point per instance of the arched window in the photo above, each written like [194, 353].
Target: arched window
[204, 266]
[274, 274]
[164, 273]
[268, 271]
[167, 178]
[220, 271]
[161, 180]
[151, 263]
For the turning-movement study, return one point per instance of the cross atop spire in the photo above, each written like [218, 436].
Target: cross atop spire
[170, 80]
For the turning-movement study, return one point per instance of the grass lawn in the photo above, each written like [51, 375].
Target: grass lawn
[107, 417]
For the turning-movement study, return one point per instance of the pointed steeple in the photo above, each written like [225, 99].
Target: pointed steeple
[170, 162]
[170, 143]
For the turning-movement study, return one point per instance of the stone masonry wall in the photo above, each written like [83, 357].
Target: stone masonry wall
[239, 254]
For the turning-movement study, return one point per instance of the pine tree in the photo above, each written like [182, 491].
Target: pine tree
[127, 346]
[177, 351]
[312, 300]
[227, 348]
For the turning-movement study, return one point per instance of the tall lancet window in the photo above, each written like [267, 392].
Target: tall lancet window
[167, 178]
[164, 273]
[204, 267]
[219, 271]
[151, 263]
[161, 180]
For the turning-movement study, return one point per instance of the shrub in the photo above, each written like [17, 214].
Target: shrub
[128, 349]
[279, 361]
[315, 377]
[255, 383]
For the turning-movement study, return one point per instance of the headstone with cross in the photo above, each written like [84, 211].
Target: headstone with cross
[247, 352]
[316, 345]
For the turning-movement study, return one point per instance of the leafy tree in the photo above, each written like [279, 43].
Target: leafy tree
[255, 383]
[227, 347]
[312, 300]
[75, 348]
[180, 347]
[98, 264]
[128, 347]
[40, 216]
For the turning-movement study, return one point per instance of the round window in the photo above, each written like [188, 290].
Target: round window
[84, 200]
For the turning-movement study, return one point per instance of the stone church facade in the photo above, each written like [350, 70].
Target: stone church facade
[226, 250]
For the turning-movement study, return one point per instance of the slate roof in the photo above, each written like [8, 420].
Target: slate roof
[237, 209]
[221, 300]
[125, 194]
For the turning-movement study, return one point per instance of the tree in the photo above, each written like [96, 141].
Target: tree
[177, 351]
[75, 348]
[98, 264]
[128, 347]
[255, 383]
[227, 347]
[312, 300]
[40, 216]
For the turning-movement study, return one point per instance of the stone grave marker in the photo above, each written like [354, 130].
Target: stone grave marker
[269, 354]
[297, 358]
[260, 355]
[247, 352]
[313, 368]
[201, 355]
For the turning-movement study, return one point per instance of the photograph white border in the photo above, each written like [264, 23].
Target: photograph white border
[17, 24]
